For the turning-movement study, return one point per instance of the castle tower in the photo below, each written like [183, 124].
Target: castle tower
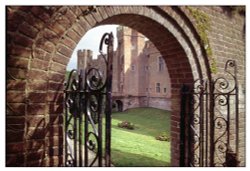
[84, 57]
[140, 76]
[130, 48]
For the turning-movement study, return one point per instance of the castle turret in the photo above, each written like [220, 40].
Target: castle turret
[83, 58]
[130, 47]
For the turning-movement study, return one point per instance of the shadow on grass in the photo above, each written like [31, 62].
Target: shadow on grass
[124, 159]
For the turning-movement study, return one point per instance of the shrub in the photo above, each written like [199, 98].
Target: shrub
[126, 125]
[163, 137]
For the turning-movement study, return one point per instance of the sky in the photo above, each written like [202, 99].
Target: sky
[91, 40]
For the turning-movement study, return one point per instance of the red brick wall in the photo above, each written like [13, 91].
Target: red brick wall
[40, 42]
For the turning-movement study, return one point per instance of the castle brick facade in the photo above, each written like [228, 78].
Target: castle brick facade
[140, 75]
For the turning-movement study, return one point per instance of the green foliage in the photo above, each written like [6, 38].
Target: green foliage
[67, 75]
[163, 137]
[203, 26]
[238, 9]
[126, 125]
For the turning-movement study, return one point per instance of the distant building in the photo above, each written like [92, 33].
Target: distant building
[140, 75]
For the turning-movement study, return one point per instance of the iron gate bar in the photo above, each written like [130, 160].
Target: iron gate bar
[85, 91]
[212, 105]
[225, 90]
[184, 90]
[190, 133]
[109, 100]
[86, 132]
[210, 113]
[80, 115]
[228, 119]
[201, 124]
[236, 108]
[207, 122]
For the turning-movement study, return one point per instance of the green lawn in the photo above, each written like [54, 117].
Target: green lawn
[139, 147]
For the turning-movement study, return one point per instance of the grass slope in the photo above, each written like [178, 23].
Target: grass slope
[139, 147]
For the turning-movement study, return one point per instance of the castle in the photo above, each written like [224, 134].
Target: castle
[140, 75]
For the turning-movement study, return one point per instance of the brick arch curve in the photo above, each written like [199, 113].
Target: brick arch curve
[47, 41]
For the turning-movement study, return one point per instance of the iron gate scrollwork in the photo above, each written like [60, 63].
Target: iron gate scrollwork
[87, 99]
[209, 121]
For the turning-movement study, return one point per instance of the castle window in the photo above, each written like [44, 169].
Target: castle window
[146, 68]
[132, 67]
[161, 64]
[165, 90]
[158, 88]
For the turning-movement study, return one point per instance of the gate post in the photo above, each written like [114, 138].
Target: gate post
[109, 101]
[184, 96]
[212, 104]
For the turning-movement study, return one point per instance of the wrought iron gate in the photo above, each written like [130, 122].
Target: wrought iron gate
[87, 99]
[209, 121]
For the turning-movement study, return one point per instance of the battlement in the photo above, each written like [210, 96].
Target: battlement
[84, 57]
[85, 53]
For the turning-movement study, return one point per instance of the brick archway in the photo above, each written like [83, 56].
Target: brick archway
[40, 42]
